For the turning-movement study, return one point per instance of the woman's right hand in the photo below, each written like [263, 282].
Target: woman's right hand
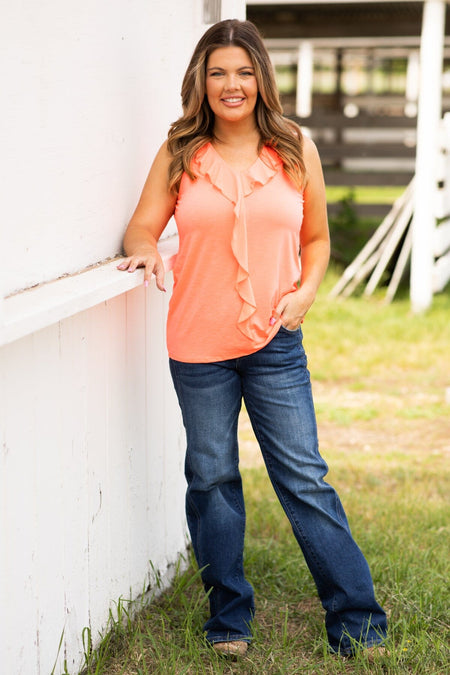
[150, 259]
[156, 205]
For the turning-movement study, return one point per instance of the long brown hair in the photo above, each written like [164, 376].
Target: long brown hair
[196, 126]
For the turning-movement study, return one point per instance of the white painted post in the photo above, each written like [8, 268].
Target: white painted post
[412, 84]
[303, 105]
[429, 113]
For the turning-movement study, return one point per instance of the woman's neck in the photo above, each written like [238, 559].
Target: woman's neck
[237, 144]
[235, 134]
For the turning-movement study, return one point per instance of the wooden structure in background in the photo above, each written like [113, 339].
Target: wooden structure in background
[371, 139]
[393, 239]
[337, 149]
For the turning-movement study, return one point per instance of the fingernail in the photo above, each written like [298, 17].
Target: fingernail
[272, 320]
[146, 283]
[165, 291]
[301, 321]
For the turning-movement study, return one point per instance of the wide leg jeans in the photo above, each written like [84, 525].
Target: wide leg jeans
[275, 385]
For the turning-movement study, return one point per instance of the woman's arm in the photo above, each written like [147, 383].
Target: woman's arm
[156, 205]
[314, 243]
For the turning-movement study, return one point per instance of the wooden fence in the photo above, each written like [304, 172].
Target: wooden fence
[392, 242]
[366, 150]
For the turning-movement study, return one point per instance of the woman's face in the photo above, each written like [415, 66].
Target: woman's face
[231, 86]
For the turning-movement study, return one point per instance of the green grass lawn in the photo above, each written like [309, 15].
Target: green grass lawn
[380, 377]
[384, 194]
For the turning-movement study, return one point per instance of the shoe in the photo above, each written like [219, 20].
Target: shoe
[375, 652]
[372, 654]
[234, 648]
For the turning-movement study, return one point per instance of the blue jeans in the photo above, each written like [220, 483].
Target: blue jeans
[275, 385]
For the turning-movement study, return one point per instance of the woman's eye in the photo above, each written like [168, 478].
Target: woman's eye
[247, 73]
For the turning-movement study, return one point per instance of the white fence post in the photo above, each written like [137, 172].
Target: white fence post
[429, 114]
[304, 79]
[412, 84]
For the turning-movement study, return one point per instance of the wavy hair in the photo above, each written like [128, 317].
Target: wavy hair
[196, 126]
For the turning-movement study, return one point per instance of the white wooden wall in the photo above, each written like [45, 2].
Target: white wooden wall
[91, 477]
[88, 92]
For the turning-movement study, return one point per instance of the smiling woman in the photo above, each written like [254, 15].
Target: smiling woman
[247, 193]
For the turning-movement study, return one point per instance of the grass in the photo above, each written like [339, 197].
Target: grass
[380, 377]
[367, 194]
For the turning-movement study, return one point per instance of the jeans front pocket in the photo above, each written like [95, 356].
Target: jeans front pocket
[288, 330]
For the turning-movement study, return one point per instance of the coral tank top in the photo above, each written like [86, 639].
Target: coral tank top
[238, 255]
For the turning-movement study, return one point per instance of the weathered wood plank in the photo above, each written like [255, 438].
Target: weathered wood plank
[366, 178]
[100, 566]
[399, 268]
[49, 515]
[18, 534]
[340, 151]
[362, 210]
[118, 465]
[323, 121]
[74, 373]
[140, 500]
[30, 310]
[174, 453]
[393, 240]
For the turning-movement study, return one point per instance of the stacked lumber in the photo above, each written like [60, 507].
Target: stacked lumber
[378, 252]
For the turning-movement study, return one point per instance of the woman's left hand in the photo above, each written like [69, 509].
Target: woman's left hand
[314, 245]
[292, 308]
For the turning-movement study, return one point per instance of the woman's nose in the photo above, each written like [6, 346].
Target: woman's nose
[231, 82]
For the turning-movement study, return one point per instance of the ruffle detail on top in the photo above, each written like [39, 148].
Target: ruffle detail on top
[235, 186]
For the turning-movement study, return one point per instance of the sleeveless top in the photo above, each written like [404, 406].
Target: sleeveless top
[239, 235]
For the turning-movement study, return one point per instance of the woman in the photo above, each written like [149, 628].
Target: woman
[247, 193]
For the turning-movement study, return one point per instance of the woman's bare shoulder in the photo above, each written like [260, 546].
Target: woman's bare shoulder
[309, 147]
[163, 156]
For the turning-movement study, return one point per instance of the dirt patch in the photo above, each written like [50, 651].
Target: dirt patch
[386, 432]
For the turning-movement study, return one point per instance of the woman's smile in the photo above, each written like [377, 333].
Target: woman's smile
[232, 101]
